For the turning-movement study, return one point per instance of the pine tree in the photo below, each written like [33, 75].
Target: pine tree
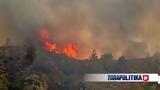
[94, 55]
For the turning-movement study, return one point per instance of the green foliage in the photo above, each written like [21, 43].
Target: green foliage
[14, 83]
[34, 82]
[3, 82]
[152, 86]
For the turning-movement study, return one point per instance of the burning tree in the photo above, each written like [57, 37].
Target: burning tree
[71, 50]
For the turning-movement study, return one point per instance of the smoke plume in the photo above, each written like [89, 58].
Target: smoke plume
[121, 27]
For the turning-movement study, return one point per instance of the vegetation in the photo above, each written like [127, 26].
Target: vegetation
[4, 82]
[60, 72]
[34, 82]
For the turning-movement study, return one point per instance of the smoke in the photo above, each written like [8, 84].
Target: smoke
[122, 27]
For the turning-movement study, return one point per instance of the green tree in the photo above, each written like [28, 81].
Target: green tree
[94, 55]
[34, 82]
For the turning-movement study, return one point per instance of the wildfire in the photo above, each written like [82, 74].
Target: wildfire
[70, 50]
[50, 46]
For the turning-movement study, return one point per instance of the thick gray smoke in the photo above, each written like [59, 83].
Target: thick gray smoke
[121, 27]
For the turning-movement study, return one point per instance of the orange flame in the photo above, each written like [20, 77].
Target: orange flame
[71, 50]
[44, 34]
[50, 46]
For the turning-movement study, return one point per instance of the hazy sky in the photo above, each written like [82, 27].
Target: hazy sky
[122, 27]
